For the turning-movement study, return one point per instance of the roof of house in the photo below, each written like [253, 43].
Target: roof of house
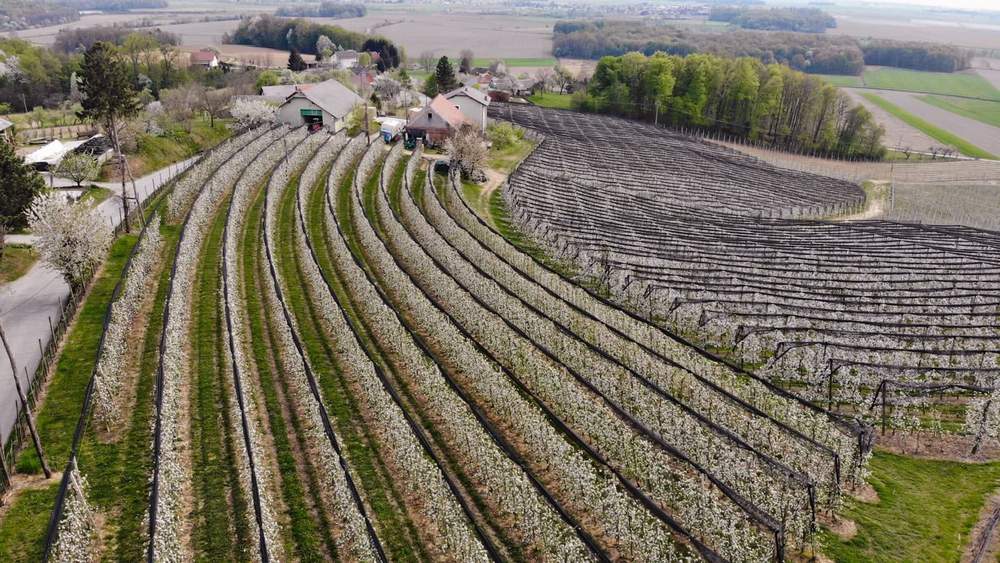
[347, 54]
[4, 124]
[280, 92]
[473, 93]
[331, 96]
[203, 56]
[447, 110]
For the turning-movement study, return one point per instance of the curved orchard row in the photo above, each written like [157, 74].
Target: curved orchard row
[797, 294]
[256, 477]
[496, 480]
[594, 494]
[535, 381]
[435, 507]
[665, 166]
[766, 489]
[754, 393]
[106, 396]
[170, 494]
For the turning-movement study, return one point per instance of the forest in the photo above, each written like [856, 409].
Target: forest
[324, 10]
[917, 56]
[810, 20]
[806, 52]
[738, 96]
[300, 34]
[78, 40]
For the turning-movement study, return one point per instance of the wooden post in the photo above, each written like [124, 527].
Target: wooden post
[27, 408]
[885, 391]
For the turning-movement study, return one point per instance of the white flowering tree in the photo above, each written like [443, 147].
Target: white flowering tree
[252, 113]
[467, 151]
[71, 238]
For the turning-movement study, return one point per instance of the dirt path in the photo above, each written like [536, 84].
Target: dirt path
[874, 204]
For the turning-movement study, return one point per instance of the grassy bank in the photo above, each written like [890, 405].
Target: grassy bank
[552, 100]
[16, 262]
[925, 512]
[155, 152]
[933, 131]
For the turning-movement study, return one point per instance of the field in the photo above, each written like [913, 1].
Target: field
[948, 84]
[945, 137]
[980, 110]
[926, 26]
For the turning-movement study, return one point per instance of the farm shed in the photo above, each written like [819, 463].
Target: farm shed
[473, 104]
[323, 104]
[205, 58]
[435, 121]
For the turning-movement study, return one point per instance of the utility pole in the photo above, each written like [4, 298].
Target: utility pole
[656, 116]
[27, 408]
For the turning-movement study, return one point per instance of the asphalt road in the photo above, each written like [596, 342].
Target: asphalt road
[27, 304]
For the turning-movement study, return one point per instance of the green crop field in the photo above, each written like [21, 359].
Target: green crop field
[948, 84]
[933, 131]
[980, 110]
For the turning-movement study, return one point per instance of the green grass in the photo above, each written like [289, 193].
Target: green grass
[221, 531]
[306, 537]
[954, 84]
[95, 195]
[16, 262]
[842, 80]
[22, 534]
[552, 100]
[155, 152]
[57, 417]
[117, 469]
[925, 512]
[980, 110]
[933, 131]
[505, 160]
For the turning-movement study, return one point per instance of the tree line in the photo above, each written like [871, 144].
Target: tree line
[806, 52]
[302, 35]
[324, 10]
[810, 20]
[917, 56]
[78, 40]
[741, 96]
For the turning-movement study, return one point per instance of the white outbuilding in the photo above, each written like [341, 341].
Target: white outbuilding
[472, 103]
[322, 104]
